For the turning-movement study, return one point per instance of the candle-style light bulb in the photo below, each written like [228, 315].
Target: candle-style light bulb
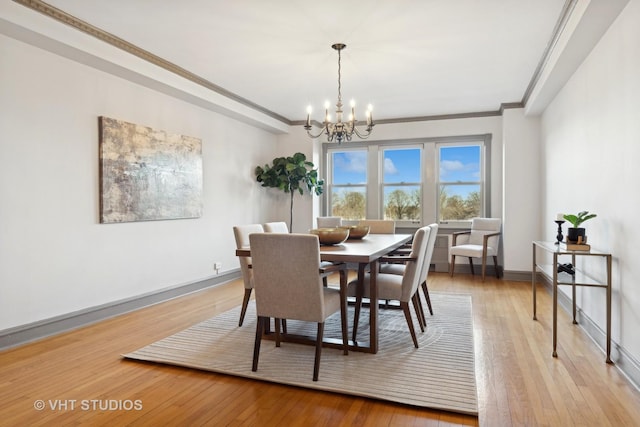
[309, 110]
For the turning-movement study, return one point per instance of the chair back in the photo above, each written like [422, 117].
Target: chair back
[413, 270]
[431, 243]
[329, 221]
[380, 226]
[482, 226]
[241, 233]
[285, 275]
[276, 227]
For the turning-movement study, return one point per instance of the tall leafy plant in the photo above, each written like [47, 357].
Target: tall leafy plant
[290, 174]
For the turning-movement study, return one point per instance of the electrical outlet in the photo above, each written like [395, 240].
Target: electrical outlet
[217, 266]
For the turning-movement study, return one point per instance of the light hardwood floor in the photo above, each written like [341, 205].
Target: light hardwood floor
[519, 383]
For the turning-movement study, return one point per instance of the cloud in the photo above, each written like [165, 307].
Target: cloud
[451, 165]
[352, 161]
[389, 167]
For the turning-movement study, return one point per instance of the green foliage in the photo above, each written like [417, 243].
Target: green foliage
[349, 205]
[401, 204]
[578, 219]
[290, 174]
[455, 208]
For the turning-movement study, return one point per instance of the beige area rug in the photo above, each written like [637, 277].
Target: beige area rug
[438, 375]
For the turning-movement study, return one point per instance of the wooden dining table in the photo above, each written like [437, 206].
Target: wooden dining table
[364, 252]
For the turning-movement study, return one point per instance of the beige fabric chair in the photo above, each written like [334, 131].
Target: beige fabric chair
[288, 286]
[329, 221]
[276, 227]
[393, 268]
[480, 242]
[379, 226]
[394, 287]
[281, 227]
[241, 233]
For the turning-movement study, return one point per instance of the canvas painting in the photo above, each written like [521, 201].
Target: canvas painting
[148, 174]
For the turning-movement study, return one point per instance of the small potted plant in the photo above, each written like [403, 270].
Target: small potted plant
[576, 234]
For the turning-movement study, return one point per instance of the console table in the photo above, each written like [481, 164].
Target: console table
[562, 278]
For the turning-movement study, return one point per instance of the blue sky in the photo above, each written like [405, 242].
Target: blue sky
[458, 163]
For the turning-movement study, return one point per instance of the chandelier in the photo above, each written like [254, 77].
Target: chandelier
[340, 131]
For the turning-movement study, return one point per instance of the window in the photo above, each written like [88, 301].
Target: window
[460, 182]
[402, 184]
[442, 180]
[348, 184]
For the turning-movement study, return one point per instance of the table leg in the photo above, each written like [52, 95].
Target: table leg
[534, 269]
[608, 360]
[555, 304]
[573, 290]
[373, 306]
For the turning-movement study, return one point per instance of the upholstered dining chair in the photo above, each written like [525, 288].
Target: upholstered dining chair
[328, 221]
[276, 227]
[394, 268]
[281, 227]
[241, 233]
[480, 242]
[394, 287]
[379, 226]
[288, 286]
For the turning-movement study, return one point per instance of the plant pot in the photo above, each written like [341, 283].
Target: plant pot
[574, 234]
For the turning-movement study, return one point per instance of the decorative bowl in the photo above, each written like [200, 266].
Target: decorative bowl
[357, 232]
[331, 236]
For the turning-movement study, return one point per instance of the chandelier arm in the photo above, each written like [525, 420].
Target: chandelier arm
[363, 135]
[322, 130]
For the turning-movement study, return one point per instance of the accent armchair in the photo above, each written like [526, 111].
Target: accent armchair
[480, 242]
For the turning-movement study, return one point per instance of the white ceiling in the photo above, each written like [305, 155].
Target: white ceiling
[409, 58]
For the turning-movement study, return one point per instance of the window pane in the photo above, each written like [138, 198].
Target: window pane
[459, 202]
[402, 202]
[349, 202]
[460, 164]
[401, 165]
[349, 167]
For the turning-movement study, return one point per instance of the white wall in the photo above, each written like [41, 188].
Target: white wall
[521, 208]
[55, 257]
[590, 151]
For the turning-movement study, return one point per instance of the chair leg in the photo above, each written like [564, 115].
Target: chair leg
[256, 347]
[357, 308]
[453, 264]
[407, 316]
[484, 266]
[427, 297]
[316, 365]
[245, 303]
[471, 265]
[495, 265]
[278, 337]
[417, 306]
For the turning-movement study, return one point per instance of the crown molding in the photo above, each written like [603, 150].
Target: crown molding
[72, 21]
[80, 25]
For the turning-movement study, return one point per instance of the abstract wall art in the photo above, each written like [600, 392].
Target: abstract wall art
[148, 174]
